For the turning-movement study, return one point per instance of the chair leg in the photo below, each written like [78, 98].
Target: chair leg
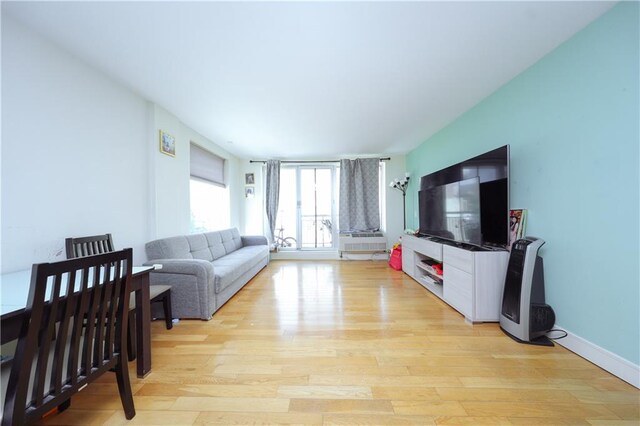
[124, 388]
[166, 303]
[131, 336]
[64, 405]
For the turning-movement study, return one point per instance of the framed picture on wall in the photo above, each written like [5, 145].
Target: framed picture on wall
[249, 179]
[167, 144]
[249, 191]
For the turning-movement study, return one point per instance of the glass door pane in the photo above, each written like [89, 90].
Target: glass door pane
[324, 201]
[287, 221]
[316, 200]
[307, 207]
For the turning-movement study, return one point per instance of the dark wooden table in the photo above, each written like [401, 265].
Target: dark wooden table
[14, 288]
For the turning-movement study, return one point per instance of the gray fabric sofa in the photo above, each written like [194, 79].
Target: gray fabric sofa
[205, 270]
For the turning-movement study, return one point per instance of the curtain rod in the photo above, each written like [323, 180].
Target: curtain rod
[310, 161]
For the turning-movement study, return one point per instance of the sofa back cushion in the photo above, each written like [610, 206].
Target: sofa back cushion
[199, 247]
[208, 246]
[231, 240]
[169, 248]
[214, 239]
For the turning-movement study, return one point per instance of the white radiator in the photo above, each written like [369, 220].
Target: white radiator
[362, 242]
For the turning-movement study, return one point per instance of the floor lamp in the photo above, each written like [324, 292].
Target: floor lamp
[402, 185]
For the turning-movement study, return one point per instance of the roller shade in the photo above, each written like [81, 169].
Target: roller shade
[207, 166]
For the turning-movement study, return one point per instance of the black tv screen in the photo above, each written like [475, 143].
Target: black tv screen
[492, 171]
[452, 211]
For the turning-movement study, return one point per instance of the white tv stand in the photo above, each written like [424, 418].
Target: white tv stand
[471, 283]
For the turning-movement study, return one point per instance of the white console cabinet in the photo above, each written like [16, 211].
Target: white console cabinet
[472, 281]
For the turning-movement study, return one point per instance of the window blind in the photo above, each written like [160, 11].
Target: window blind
[207, 166]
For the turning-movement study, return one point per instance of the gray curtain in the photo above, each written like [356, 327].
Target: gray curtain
[359, 195]
[272, 194]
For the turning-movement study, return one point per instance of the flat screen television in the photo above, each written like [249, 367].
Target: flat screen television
[453, 211]
[492, 172]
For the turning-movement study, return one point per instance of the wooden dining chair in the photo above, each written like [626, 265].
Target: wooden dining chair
[95, 244]
[75, 333]
[88, 246]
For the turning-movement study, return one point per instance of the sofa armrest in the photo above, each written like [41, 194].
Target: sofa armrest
[202, 269]
[254, 240]
[192, 285]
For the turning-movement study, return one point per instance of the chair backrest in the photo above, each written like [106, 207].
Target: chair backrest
[75, 333]
[88, 246]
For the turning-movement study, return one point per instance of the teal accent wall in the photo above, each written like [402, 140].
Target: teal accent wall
[572, 121]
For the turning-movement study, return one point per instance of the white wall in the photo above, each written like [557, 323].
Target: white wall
[80, 156]
[253, 209]
[73, 153]
[170, 176]
[395, 168]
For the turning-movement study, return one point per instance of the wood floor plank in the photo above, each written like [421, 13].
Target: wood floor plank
[429, 408]
[247, 391]
[545, 410]
[355, 406]
[144, 417]
[231, 418]
[496, 394]
[79, 417]
[378, 419]
[243, 404]
[478, 421]
[326, 392]
[406, 393]
[528, 421]
[352, 343]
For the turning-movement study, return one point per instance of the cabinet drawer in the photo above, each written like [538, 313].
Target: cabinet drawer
[458, 290]
[459, 301]
[461, 259]
[422, 246]
[431, 249]
[459, 281]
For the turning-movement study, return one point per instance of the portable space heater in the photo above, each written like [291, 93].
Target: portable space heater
[525, 316]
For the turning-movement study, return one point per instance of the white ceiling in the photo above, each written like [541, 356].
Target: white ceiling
[311, 80]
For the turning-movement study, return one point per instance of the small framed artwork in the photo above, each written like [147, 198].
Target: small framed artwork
[167, 144]
[249, 179]
[249, 191]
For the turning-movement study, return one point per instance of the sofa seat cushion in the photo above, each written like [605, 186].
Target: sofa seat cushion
[229, 268]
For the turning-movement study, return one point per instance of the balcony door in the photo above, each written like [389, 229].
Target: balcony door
[307, 207]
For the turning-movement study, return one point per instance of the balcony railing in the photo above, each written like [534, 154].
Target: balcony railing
[317, 231]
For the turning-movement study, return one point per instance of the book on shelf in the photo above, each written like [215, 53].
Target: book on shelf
[430, 262]
[432, 266]
[517, 225]
[431, 280]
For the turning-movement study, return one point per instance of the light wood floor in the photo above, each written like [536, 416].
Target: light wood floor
[328, 342]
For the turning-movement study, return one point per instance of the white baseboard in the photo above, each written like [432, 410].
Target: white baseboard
[365, 256]
[305, 255]
[614, 364]
[326, 254]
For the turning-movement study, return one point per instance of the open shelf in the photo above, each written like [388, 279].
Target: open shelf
[433, 285]
[430, 272]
